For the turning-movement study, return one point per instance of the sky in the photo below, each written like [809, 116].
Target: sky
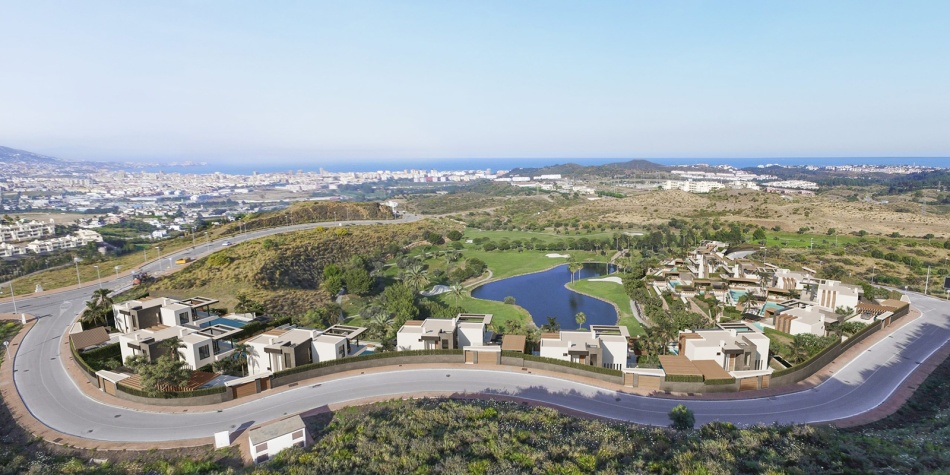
[350, 81]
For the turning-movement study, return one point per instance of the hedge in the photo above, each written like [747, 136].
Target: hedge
[82, 363]
[867, 329]
[107, 350]
[592, 369]
[354, 359]
[684, 378]
[172, 394]
[718, 382]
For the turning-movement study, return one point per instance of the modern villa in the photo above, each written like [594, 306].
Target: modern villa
[464, 330]
[604, 346]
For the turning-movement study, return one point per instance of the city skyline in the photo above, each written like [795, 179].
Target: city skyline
[319, 84]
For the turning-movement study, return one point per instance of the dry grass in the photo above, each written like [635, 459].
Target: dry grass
[769, 210]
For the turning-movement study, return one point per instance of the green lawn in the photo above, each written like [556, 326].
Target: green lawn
[8, 330]
[615, 294]
[528, 235]
[509, 263]
[502, 313]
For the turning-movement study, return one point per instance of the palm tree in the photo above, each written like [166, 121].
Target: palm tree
[580, 318]
[174, 345]
[415, 278]
[552, 326]
[240, 356]
[458, 291]
[574, 266]
[98, 307]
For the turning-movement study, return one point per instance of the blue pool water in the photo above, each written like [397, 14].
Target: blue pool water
[736, 294]
[225, 321]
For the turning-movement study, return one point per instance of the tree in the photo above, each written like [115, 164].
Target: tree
[358, 281]
[580, 318]
[165, 374]
[399, 300]
[454, 235]
[574, 266]
[458, 291]
[173, 346]
[682, 418]
[509, 300]
[759, 235]
[552, 326]
[98, 308]
[416, 278]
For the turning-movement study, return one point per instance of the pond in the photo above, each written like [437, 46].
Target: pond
[543, 295]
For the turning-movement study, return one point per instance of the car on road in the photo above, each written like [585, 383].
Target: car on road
[226, 243]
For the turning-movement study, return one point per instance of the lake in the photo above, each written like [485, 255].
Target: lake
[543, 295]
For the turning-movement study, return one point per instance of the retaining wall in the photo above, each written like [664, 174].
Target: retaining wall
[374, 363]
[177, 402]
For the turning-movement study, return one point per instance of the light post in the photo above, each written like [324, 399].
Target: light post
[99, 277]
[76, 261]
[6, 347]
[192, 237]
[116, 268]
[207, 242]
[169, 259]
[13, 297]
[159, 248]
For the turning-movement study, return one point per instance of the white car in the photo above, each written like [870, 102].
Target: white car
[226, 243]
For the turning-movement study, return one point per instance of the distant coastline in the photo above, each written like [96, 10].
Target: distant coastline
[509, 163]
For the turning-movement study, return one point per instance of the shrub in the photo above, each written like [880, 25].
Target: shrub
[681, 418]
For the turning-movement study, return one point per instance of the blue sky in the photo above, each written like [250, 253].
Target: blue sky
[313, 82]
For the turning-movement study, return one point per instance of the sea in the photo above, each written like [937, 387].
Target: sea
[243, 168]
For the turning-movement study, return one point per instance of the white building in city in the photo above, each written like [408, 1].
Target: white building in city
[604, 346]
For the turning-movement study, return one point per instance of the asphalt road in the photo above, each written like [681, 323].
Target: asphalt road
[54, 398]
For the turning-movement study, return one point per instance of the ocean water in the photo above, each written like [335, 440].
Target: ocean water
[240, 168]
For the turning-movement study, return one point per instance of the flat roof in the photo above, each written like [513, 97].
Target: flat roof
[274, 430]
[679, 365]
[513, 343]
[711, 369]
[91, 337]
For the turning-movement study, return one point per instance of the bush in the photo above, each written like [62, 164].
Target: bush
[510, 300]
[681, 418]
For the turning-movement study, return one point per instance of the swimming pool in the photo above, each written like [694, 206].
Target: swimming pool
[735, 295]
[224, 321]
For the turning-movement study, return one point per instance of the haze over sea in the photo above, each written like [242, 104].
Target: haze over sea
[509, 163]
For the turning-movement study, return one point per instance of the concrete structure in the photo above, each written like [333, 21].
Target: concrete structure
[443, 333]
[135, 315]
[602, 345]
[268, 440]
[288, 347]
[198, 347]
[733, 346]
[25, 230]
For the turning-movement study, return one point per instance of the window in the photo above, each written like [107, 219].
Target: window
[182, 318]
[297, 435]
[261, 447]
[204, 351]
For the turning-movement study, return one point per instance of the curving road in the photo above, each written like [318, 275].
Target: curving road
[55, 400]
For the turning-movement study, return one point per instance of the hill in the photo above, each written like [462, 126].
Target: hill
[12, 155]
[609, 169]
[284, 272]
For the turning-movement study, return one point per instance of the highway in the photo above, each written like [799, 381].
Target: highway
[55, 400]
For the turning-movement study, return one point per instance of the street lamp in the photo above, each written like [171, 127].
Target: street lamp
[76, 261]
[99, 277]
[116, 268]
[13, 297]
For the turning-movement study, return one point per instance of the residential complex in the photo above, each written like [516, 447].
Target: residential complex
[288, 347]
